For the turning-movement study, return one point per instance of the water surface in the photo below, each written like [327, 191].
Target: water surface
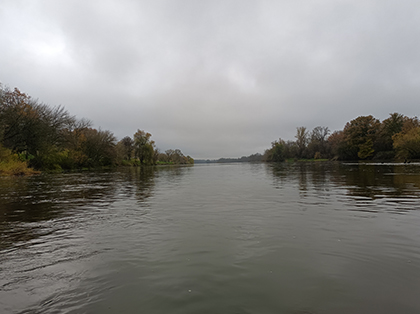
[213, 238]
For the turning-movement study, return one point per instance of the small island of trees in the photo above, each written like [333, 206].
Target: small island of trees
[36, 136]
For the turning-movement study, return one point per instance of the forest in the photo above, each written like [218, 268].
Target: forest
[35, 136]
[363, 138]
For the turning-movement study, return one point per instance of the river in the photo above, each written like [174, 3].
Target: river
[300, 238]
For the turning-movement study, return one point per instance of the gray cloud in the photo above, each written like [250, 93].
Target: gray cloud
[215, 78]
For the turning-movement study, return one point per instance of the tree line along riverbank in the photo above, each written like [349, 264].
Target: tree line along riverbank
[35, 136]
[363, 138]
[396, 138]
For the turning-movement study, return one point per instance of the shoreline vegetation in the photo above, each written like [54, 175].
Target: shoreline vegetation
[35, 137]
[11, 165]
[365, 138]
[396, 138]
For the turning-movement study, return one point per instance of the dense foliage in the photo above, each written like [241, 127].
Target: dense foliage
[363, 138]
[44, 137]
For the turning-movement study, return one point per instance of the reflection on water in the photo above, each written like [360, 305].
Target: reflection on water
[397, 183]
[221, 238]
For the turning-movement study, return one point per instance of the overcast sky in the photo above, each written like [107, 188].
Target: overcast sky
[215, 78]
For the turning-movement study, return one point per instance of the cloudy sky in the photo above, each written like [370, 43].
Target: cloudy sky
[215, 78]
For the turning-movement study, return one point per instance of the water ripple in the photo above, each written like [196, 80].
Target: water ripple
[245, 238]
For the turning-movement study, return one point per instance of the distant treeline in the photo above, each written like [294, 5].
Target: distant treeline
[43, 137]
[250, 158]
[364, 138]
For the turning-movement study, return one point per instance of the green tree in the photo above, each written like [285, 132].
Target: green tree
[407, 142]
[276, 152]
[190, 159]
[360, 135]
[384, 143]
[128, 147]
[144, 147]
[290, 149]
[30, 128]
[407, 145]
[366, 149]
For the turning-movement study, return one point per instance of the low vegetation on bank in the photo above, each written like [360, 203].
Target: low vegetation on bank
[34, 135]
[11, 164]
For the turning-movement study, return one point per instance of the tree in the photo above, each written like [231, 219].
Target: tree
[360, 135]
[394, 123]
[163, 157]
[178, 157]
[301, 140]
[190, 160]
[409, 124]
[407, 144]
[290, 149]
[128, 146]
[144, 147]
[366, 149]
[318, 144]
[30, 128]
[73, 134]
[175, 156]
[384, 143]
[169, 154]
[99, 147]
[338, 145]
[276, 152]
[156, 154]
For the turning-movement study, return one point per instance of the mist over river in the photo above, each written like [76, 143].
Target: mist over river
[300, 238]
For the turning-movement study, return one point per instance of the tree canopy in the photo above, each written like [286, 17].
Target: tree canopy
[47, 137]
[362, 138]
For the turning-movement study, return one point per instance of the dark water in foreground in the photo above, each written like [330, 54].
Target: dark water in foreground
[222, 238]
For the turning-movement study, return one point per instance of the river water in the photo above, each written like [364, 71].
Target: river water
[300, 238]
